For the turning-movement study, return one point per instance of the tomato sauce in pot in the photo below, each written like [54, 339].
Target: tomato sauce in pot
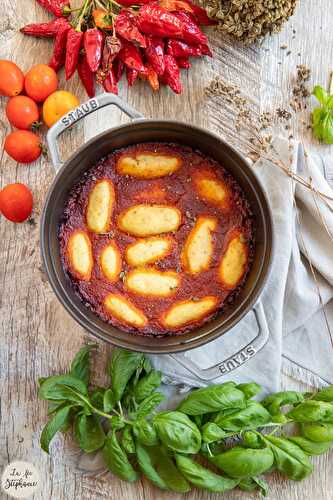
[209, 251]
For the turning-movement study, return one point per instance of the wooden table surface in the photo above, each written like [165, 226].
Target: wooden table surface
[37, 336]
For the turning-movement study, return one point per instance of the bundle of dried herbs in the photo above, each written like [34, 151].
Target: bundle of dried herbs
[249, 20]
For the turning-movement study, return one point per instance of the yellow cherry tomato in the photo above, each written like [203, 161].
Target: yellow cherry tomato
[57, 105]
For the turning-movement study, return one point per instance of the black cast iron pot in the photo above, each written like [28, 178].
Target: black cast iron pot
[138, 131]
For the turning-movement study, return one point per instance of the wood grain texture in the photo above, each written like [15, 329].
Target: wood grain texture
[38, 337]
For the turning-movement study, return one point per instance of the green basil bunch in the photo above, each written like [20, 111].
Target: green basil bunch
[220, 426]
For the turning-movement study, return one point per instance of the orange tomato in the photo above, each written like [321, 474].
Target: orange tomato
[101, 19]
[40, 82]
[23, 146]
[57, 105]
[11, 79]
[16, 202]
[22, 112]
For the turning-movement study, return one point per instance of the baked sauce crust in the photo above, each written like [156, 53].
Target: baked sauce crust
[177, 190]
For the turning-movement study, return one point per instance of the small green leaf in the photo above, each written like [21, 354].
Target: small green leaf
[239, 462]
[310, 447]
[274, 402]
[97, 398]
[213, 398]
[108, 401]
[116, 459]
[252, 439]
[53, 426]
[145, 433]
[251, 417]
[321, 94]
[122, 366]
[148, 405]
[254, 483]
[147, 385]
[55, 388]
[250, 390]
[116, 422]
[80, 367]
[202, 477]
[89, 433]
[312, 411]
[168, 471]
[317, 432]
[177, 432]
[289, 458]
[146, 460]
[325, 394]
[147, 365]
[127, 440]
[212, 432]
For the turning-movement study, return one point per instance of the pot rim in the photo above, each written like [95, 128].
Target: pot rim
[180, 345]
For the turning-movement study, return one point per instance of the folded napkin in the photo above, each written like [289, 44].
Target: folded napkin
[299, 343]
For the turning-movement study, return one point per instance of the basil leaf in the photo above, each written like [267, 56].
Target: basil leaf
[147, 365]
[41, 380]
[127, 440]
[147, 458]
[317, 432]
[321, 94]
[80, 367]
[254, 483]
[310, 447]
[212, 398]
[55, 388]
[53, 426]
[211, 432]
[322, 125]
[177, 432]
[89, 433]
[249, 390]
[54, 406]
[116, 459]
[148, 405]
[116, 423]
[147, 385]
[203, 478]
[325, 394]
[168, 471]
[97, 397]
[122, 366]
[312, 411]
[274, 402]
[241, 462]
[108, 401]
[289, 458]
[253, 416]
[252, 439]
[145, 433]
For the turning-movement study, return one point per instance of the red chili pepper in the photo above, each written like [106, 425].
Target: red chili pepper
[183, 62]
[205, 50]
[191, 32]
[155, 54]
[54, 6]
[131, 75]
[152, 77]
[74, 40]
[177, 48]
[172, 74]
[126, 26]
[112, 46]
[44, 30]
[131, 56]
[128, 3]
[118, 69]
[93, 45]
[87, 77]
[199, 14]
[59, 49]
[110, 82]
[154, 20]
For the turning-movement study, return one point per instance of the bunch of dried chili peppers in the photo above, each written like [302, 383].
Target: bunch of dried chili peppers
[103, 39]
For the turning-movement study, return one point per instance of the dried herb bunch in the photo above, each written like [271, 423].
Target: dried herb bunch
[249, 20]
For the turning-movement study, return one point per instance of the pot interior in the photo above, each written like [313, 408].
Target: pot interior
[161, 131]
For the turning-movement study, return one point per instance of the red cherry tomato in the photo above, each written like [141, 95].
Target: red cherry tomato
[40, 82]
[16, 202]
[23, 146]
[11, 79]
[22, 112]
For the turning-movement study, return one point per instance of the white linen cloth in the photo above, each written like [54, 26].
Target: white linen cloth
[299, 342]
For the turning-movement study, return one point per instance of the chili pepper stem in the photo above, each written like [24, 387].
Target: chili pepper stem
[83, 11]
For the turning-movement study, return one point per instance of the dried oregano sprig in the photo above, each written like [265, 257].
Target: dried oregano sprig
[248, 20]
[221, 425]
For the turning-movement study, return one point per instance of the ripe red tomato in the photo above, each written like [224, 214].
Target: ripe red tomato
[16, 202]
[23, 146]
[11, 79]
[40, 82]
[22, 112]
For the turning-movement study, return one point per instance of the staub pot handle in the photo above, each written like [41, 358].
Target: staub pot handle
[77, 114]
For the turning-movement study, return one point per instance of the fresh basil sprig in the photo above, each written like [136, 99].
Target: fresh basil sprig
[123, 422]
[322, 117]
